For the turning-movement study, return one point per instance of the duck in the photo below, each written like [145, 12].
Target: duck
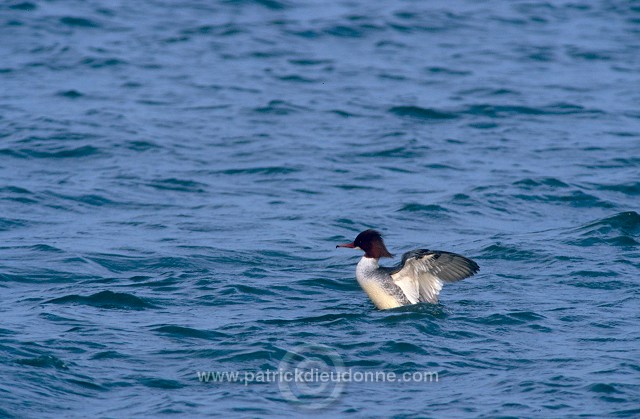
[418, 278]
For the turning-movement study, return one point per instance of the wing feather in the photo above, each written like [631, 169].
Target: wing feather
[422, 273]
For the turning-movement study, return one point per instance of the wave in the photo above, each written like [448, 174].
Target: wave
[180, 185]
[421, 113]
[44, 361]
[187, 332]
[622, 229]
[105, 299]
[65, 153]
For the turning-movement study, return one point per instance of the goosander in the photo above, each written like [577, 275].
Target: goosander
[417, 278]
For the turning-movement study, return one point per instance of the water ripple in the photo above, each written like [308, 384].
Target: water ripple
[175, 180]
[105, 299]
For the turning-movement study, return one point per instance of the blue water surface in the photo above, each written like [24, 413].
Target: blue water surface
[175, 175]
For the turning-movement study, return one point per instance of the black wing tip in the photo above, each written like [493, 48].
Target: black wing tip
[467, 263]
[466, 266]
[472, 265]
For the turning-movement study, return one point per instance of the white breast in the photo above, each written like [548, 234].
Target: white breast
[372, 282]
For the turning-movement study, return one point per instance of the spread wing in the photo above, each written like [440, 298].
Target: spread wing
[422, 273]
